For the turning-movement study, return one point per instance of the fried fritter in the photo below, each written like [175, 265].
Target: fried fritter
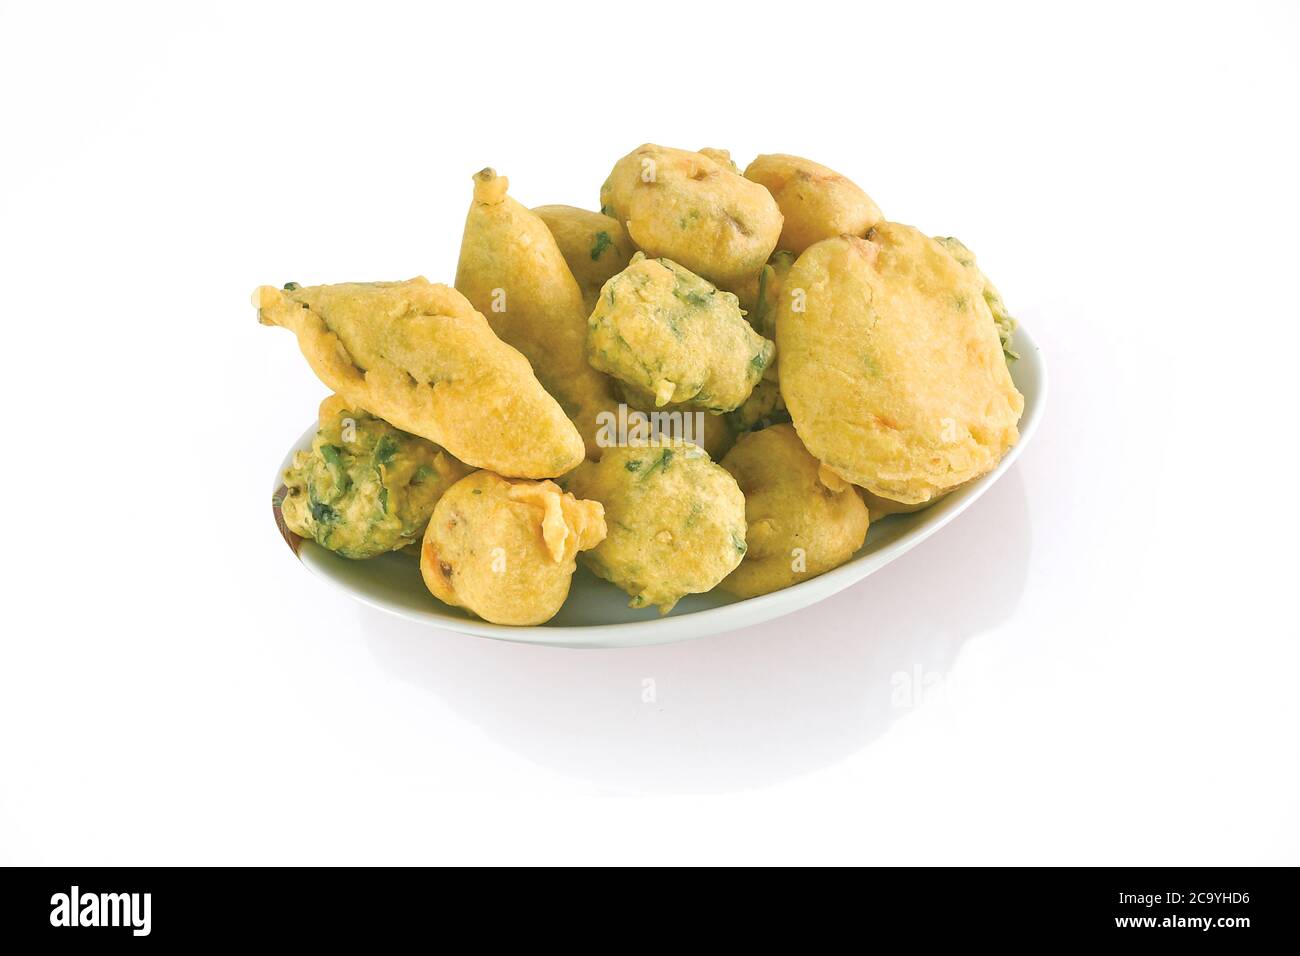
[365, 487]
[693, 208]
[417, 355]
[801, 524]
[512, 271]
[673, 336]
[505, 549]
[891, 366]
[595, 247]
[817, 203]
[676, 521]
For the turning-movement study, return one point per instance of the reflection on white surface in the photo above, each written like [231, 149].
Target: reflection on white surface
[743, 709]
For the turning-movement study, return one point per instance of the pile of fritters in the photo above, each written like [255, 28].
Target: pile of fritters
[792, 364]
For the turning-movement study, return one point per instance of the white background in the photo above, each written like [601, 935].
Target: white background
[1107, 639]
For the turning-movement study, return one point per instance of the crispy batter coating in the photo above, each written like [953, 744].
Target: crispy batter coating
[505, 549]
[512, 271]
[799, 526]
[817, 203]
[417, 355]
[595, 247]
[676, 521]
[1005, 323]
[365, 487]
[671, 334]
[891, 366]
[693, 208]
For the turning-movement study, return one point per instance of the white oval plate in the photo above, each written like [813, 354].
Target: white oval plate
[596, 613]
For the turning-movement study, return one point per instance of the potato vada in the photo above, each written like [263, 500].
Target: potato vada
[674, 336]
[799, 525]
[891, 367]
[693, 208]
[817, 203]
[676, 521]
[505, 549]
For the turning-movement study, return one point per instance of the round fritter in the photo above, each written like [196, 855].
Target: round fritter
[595, 247]
[695, 209]
[365, 487]
[512, 271]
[505, 549]
[1001, 318]
[676, 521]
[671, 334]
[817, 202]
[891, 367]
[800, 524]
[416, 354]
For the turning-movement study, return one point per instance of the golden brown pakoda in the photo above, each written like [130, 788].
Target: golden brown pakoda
[676, 520]
[891, 367]
[364, 488]
[505, 549]
[595, 247]
[817, 203]
[694, 209]
[802, 522]
[417, 355]
[675, 337]
[512, 270]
